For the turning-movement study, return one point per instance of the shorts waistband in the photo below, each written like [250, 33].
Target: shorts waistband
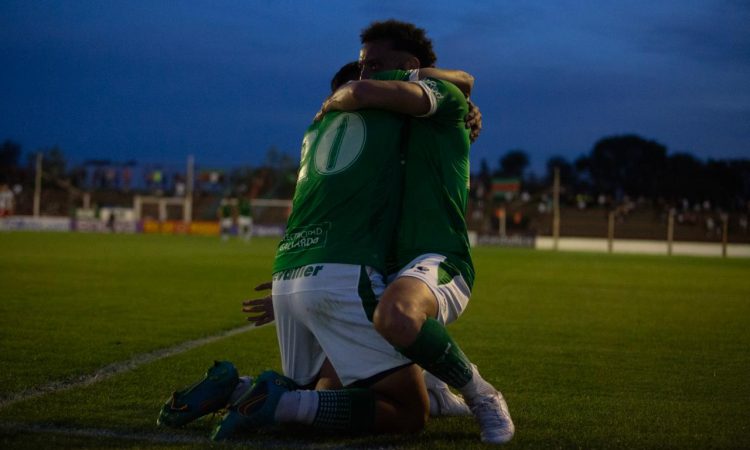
[310, 270]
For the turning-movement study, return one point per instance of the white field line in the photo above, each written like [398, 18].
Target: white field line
[117, 368]
[161, 438]
[166, 437]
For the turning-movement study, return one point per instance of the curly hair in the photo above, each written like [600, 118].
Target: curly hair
[404, 36]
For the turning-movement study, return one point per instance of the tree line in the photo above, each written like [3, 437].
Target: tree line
[617, 166]
[634, 167]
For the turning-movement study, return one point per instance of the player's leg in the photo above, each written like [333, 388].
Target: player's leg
[328, 379]
[385, 391]
[394, 403]
[399, 317]
[249, 229]
[226, 228]
[443, 402]
[412, 314]
[401, 401]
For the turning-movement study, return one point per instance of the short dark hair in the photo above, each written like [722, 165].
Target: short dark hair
[404, 36]
[348, 72]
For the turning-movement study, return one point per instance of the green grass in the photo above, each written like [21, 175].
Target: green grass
[590, 350]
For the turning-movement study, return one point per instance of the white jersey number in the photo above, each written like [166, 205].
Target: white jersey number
[305, 154]
[341, 144]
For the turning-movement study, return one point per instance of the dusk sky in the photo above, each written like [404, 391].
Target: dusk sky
[155, 80]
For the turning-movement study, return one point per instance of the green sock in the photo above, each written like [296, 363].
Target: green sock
[346, 410]
[436, 352]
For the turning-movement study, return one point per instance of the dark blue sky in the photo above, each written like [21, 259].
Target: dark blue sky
[156, 80]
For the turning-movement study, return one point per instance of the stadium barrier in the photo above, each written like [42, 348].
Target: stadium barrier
[641, 246]
[99, 226]
[201, 228]
[149, 226]
[506, 241]
[211, 228]
[31, 223]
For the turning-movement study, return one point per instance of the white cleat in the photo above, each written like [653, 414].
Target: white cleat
[495, 423]
[443, 402]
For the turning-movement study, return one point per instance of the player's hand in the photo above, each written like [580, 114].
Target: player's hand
[473, 121]
[324, 108]
[260, 308]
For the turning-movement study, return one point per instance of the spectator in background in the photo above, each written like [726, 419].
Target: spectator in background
[245, 219]
[111, 222]
[7, 200]
[225, 214]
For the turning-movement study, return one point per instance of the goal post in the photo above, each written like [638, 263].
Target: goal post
[162, 204]
[270, 216]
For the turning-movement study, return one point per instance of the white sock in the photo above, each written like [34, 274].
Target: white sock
[476, 386]
[297, 406]
[432, 382]
[241, 388]
[434, 404]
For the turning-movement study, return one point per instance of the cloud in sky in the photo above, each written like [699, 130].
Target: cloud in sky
[225, 81]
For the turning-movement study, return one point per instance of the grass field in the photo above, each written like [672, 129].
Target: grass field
[590, 350]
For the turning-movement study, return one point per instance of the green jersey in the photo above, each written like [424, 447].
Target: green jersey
[245, 209]
[226, 210]
[436, 186]
[346, 202]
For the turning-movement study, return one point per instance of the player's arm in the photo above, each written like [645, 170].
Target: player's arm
[461, 79]
[395, 96]
[465, 82]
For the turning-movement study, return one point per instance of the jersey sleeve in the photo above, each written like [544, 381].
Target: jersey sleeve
[447, 102]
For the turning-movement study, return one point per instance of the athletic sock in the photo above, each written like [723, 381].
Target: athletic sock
[243, 385]
[351, 410]
[297, 406]
[436, 352]
[476, 386]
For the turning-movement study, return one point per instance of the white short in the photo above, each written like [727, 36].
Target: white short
[245, 221]
[226, 223]
[325, 310]
[446, 283]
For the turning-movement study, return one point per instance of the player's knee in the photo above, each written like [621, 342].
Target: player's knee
[394, 320]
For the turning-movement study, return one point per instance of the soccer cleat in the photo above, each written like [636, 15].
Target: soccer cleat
[256, 407]
[493, 416]
[204, 397]
[443, 402]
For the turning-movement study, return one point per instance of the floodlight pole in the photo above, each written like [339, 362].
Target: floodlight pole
[670, 231]
[38, 185]
[724, 234]
[556, 209]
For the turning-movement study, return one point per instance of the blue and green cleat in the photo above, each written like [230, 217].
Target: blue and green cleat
[204, 397]
[256, 408]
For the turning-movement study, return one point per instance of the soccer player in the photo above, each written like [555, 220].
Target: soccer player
[225, 214]
[328, 273]
[433, 285]
[245, 218]
[6, 200]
